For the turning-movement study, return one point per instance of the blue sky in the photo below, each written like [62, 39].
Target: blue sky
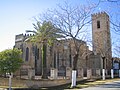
[16, 16]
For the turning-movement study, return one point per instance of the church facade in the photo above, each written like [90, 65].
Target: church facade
[60, 54]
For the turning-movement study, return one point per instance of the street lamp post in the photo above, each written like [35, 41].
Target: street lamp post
[10, 82]
[10, 78]
[10, 74]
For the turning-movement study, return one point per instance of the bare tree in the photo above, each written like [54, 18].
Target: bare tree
[116, 50]
[72, 21]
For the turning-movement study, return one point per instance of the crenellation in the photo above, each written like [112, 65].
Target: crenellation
[99, 14]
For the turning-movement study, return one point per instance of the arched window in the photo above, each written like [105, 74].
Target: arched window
[27, 54]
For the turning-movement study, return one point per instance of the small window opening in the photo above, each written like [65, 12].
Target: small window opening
[98, 24]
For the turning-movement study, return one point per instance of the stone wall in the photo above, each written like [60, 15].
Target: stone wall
[48, 83]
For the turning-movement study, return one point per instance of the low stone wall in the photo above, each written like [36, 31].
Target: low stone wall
[55, 80]
[48, 83]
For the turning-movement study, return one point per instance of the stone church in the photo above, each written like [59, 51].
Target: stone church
[60, 54]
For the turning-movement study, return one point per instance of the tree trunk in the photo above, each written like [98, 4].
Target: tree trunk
[112, 73]
[75, 59]
[103, 62]
[103, 70]
[74, 71]
[44, 62]
[73, 78]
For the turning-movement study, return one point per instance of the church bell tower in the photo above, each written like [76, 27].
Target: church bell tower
[101, 37]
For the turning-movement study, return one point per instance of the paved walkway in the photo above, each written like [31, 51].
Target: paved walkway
[107, 86]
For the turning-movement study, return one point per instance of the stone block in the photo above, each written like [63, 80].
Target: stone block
[54, 73]
[89, 73]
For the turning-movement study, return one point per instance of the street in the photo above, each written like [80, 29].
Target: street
[107, 86]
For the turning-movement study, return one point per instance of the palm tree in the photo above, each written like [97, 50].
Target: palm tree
[45, 34]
